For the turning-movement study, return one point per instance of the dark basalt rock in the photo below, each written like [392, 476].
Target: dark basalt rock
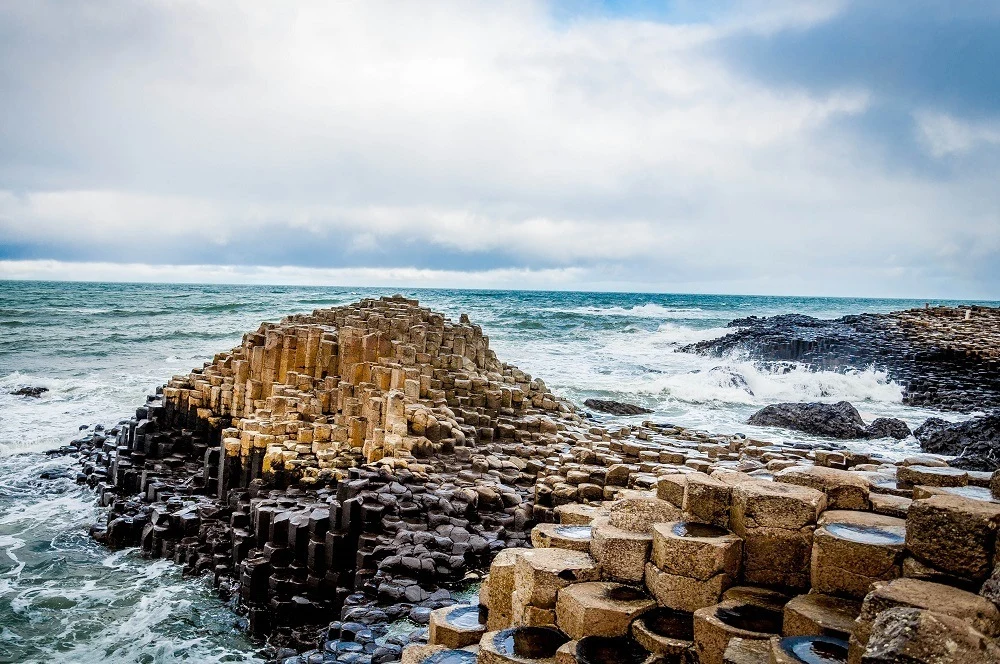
[839, 420]
[975, 442]
[30, 391]
[887, 427]
[615, 407]
[940, 358]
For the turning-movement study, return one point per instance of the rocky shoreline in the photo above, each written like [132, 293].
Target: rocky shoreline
[348, 477]
[946, 358]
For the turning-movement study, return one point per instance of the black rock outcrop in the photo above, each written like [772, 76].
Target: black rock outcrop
[943, 357]
[975, 442]
[615, 407]
[887, 427]
[30, 391]
[839, 420]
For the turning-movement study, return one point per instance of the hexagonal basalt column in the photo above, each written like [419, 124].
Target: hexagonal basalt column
[521, 645]
[848, 558]
[610, 650]
[776, 522]
[696, 550]
[599, 609]
[621, 554]
[715, 625]
[692, 564]
[978, 612]
[559, 536]
[815, 614]
[664, 631]
[808, 650]
[539, 574]
[456, 626]
[955, 535]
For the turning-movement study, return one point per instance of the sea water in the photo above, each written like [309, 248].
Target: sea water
[100, 348]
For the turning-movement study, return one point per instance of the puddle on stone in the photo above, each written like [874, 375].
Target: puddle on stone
[974, 492]
[609, 650]
[867, 534]
[693, 529]
[669, 623]
[625, 594]
[451, 657]
[751, 618]
[816, 649]
[529, 642]
[573, 532]
[464, 617]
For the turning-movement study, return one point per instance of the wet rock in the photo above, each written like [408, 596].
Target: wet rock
[975, 442]
[34, 392]
[945, 357]
[839, 420]
[615, 407]
[887, 427]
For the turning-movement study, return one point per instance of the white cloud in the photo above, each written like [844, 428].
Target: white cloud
[628, 151]
[946, 135]
[50, 270]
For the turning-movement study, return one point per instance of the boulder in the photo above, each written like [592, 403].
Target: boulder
[917, 635]
[839, 420]
[887, 427]
[30, 391]
[615, 407]
[975, 442]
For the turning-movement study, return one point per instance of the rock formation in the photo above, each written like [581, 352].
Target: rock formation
[838, 420]
[342, 471]
[976, 442]
[944, 357]
[753, 554]
[615, 407]
[29, 391]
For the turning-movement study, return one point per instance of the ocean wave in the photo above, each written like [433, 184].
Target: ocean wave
[648, 310]
[740, 382]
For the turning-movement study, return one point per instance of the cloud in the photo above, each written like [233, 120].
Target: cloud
[945, 135]
[702, 146]
[50, 270]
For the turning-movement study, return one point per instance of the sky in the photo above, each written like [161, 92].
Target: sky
[820, 148]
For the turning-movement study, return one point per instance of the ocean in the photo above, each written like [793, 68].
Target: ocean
[100, 348]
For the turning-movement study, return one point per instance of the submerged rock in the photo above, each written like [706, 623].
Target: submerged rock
[30, 391]
[975, 442]
[615, 407]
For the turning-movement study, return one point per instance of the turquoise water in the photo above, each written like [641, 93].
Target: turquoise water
[100, 348]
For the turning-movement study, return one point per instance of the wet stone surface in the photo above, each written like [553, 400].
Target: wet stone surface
[816, 649]
[693, 529]
[574, 532]
[468, 617]
[751, 618]
[609, 650]
[529, 642]
[669, 623]
[867, 534]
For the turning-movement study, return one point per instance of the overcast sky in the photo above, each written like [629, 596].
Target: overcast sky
[828, 148]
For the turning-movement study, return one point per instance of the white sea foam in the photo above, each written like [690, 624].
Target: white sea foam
[648, 310]
[31, 424]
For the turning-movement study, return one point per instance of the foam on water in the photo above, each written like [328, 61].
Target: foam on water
[65, 598]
